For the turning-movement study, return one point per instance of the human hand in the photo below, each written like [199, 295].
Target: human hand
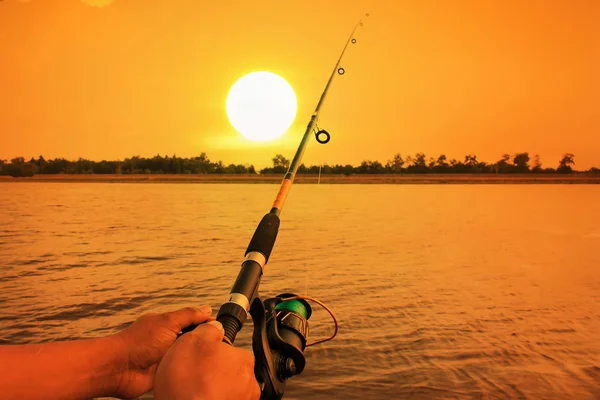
[144, 343]
[201, 366]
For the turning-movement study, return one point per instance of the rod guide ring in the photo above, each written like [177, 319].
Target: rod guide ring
[323, 132]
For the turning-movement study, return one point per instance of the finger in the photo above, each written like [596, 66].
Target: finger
[152, 373]
[211, 331]
[188, 316]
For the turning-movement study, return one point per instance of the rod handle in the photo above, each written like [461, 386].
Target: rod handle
[264, 236]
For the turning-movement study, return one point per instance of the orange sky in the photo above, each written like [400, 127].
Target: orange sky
[141, 77]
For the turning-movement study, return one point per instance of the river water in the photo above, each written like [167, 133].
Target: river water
[442, 291]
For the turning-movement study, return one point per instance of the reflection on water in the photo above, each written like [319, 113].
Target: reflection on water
[442, 291]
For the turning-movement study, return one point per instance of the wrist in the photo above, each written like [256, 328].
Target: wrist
[117, 359]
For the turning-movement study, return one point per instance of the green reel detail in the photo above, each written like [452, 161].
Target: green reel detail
[296, 306]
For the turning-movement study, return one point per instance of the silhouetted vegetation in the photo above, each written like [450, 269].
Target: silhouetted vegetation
[564, 166]
[134, 165]
[518, 163]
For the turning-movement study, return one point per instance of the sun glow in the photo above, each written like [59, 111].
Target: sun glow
[97, 3]
[261, 106]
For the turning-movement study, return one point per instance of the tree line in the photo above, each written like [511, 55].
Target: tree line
[408, 164]
[420, 164]
[134, 165]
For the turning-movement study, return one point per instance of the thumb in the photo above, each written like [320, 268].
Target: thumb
[188, 316]
[211, 331]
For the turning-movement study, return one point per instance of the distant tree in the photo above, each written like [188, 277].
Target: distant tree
[202, 165]
[431, 163]
[564, 165]
[471, 160]
[521, 161]
[419, 164]
[537, 165]
[56, 166]
[441, 165]
[280, 164]
[471, 163]
[313, 169]
[219, 167]
[280, 161]
[19, 168]
[105, 167]
[230, 169]
[83, 166]
[41, 164]
[502, 166]
[371, 167]
[347, 170]
[395, 164]
[175, 165]
[326, 169]
[419, 160]
[130, 165]
[377, 167]
[398, 161]
[363, 168]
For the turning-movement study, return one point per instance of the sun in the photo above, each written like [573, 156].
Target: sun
[261, 106]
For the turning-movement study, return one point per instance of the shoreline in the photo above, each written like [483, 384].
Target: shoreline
[581, 178]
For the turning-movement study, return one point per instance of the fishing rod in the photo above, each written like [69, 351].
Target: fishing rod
[280, 323]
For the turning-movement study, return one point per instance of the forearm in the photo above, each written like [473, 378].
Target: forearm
[66, 370]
